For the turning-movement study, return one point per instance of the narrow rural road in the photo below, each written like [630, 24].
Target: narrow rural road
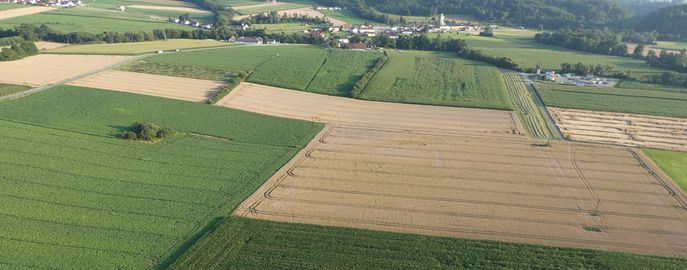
[541, 106]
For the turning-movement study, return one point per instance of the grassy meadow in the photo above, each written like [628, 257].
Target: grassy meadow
[10, 6]
[136, 48]
[345, 15]
[8, 89]
[93, 20]
[673, 163]
[75, 195]
[239, 243]
[614, 99]
[425, 79]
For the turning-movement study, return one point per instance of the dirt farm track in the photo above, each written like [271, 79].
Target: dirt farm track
[463, 175]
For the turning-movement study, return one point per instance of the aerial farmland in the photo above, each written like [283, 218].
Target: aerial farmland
[317, 134]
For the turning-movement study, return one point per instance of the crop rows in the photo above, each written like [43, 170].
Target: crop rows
[412, 78]
[74, 195]
[253, 244]
[533, 119]
[342, 69]
[615, 99]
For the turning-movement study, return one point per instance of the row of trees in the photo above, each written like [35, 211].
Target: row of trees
[582, 69]
[18, 51]
[603, 41]
[672, 61]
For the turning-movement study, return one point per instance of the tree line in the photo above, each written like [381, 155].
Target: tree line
[18, 51]
[602, 41]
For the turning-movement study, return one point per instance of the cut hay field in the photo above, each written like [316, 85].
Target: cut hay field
[622, 128]
[74, 195]
[136, 48]
[616, 99]
[255, 244]
[306, 68]
[46, 69]
[86, 19]
[152, 85]
[413, 78]
[673, 163]
[8, 89]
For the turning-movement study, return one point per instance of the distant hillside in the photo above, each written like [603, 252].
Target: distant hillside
[669, 22]
[643, 7]
[550, 13]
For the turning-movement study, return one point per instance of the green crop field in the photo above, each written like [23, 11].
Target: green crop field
[673, 163]
[8, 89]
[138, 47]
[239, 243]
[626, 100]
[92, 20]
[166, 14]
[525, 51]
[308, 68]
[416, 78]
[10, 6]
[341, 70]
[283, 27]
[74, 195]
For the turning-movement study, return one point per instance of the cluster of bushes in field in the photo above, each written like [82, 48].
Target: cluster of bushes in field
[231, 84]
[359, 86]
[18, 51]
[146, 132]
[9, 41]
[603, 41]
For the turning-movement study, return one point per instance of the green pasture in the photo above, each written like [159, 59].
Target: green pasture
[673, 163]
[8, 89]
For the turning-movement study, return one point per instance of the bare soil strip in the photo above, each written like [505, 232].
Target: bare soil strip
[461, 173]
[46, 69]
[6, 14]
[152, 85]
[345, 111]
[182, 9]
[622, 128]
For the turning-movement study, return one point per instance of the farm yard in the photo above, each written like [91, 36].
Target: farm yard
[152, 85]
[97, 201]
[412, 78]
[622, 129]
[136, 48]
[615, 99]
[53, 68]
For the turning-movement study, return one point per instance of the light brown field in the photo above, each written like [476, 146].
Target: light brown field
[152, 85]
[345, 111]
[6, 14]
[47, 68]
[46, 45]
[648, 48]
[181, 9]
[310, 12]
[262, 5]
[460, 174]
[622, 128]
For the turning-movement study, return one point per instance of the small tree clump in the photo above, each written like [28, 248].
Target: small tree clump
[146, 132]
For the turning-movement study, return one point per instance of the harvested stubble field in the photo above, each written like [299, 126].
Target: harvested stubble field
[410, 77]
[312, 13]
[351, 112]
[459, 174]
[17, 12]
[135, 48]
[622, 128]
[47, 69]
[74, 196]
[152, 85]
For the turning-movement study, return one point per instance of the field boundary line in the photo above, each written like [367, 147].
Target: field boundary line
[324, 62]
[542, 107]
[660, 176]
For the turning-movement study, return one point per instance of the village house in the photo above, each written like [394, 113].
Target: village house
[358, 46]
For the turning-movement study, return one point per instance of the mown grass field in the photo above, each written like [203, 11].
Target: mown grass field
[420, 78]
[239, 243]
[74, 195]
[304, 68]
[345, 15]
[135, 48]
[616, 99]
[86, 19]
[10, 6]
[8, 89]
[673, 163]
[525, 51]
